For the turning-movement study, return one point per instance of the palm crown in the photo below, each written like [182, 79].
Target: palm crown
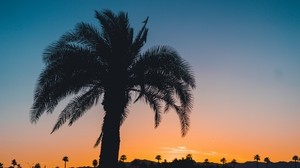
[92, 64]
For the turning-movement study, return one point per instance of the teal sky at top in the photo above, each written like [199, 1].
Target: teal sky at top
[240, 50]
[242, 39]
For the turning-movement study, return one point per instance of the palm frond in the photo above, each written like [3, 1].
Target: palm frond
[83, 103]
[68, 71]
[184, 118]
[90, 37]
[98, 139]
[139, 40]
[78, 106]
[105, 19]
[165, 59]
[169, 78]
[152, 97]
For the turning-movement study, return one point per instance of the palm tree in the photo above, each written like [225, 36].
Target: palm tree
[123, 158]
[1, 165]
[65, 159]
[37, 165]
[223, 160]
[189, 157]
[158, 158]
[257, 158]
[14, 163]
[206, 162]
[95, 163]
[108, 64]
[295, 158]
[233, 162]
[267, 160]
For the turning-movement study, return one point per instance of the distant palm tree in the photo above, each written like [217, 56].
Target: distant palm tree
[189, 157]
[295, 158]
[1, 165]
[95, 163]
[206, 162]
[257, 158]
[158, 158]
[109, 64]
[123, 158]
[37, 165]
[233, 162]
[14, 163]
[267, 160]
[223, 160]
[65, 159]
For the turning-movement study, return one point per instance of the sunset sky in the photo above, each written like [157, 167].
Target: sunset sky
[245, 56]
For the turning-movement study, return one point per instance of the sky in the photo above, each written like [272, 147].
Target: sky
[245, 56]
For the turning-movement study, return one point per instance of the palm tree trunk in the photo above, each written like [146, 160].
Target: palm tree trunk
[110, 144]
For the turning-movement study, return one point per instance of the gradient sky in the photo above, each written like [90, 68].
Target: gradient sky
[246, 60]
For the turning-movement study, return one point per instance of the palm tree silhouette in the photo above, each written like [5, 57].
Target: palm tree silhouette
[257, 158]
[158, 158]
[233, 162]
[37, 165]
[267, 160]
[223, 160]
[189, 157]
[95, 163]
[295, 159]
[14, 163]
[108, 64]
[1, 165]
[65, 159]
[123, 158]
[206, 162]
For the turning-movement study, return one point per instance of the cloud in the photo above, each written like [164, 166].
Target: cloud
[213, 153]
[178, 150]
[184, 150]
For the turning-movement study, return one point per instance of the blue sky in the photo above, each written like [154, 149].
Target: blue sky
[245, 56]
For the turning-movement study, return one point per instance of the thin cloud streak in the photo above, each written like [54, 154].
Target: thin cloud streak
[178, 150]
[185, 150]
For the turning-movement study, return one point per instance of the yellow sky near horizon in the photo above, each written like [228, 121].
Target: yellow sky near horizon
[140, 140]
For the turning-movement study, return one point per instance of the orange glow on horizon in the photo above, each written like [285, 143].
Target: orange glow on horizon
[140, 140]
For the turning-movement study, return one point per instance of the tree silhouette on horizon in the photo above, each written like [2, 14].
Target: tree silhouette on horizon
[65, 159]
[158, 158]
[95, 163]
[295, 159]
[189, 157]
[206, 162]
[256, 158]
[37, 165]
[267, 160]
[223, 160]
[14, 163]
[123, 158]
[92, 64]
[233, 162]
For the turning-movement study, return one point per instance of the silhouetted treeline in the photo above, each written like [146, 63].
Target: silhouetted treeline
[185, 163]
